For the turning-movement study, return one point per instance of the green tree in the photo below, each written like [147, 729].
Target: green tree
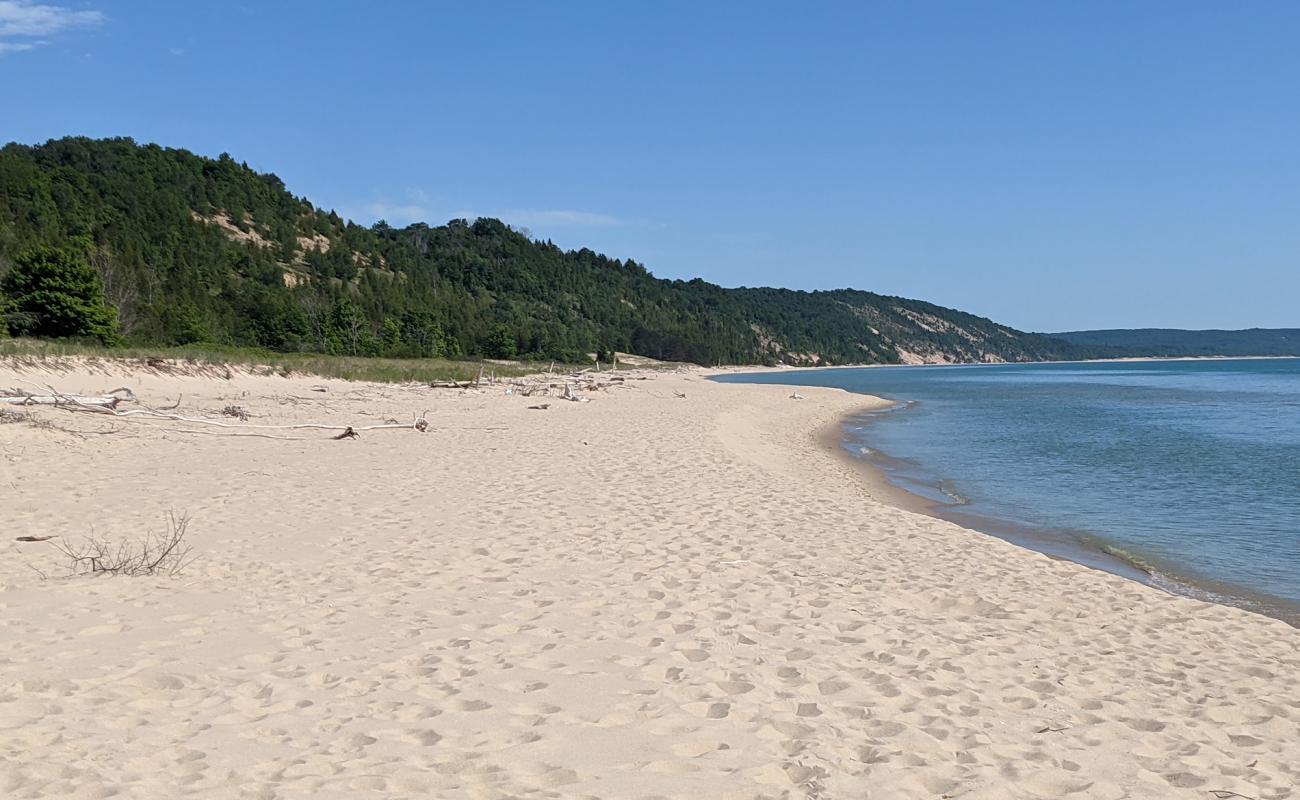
[501, 343]
[392, 336]
[53, 292]
[184, 323]
[423, 333]
[351, 328]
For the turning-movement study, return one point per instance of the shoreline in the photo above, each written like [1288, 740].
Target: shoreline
[1124, 360]
[835, 436]
[1094, 554]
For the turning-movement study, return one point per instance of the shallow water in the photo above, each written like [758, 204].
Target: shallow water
[1187, 469]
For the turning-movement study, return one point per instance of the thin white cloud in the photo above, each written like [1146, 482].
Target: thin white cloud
[558, 218]
[21, 20]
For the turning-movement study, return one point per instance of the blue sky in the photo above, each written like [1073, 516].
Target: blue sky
[1049, 165]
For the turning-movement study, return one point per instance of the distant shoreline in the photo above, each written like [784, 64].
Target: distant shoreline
[1125, 360]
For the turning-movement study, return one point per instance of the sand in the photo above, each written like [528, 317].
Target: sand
[641, 596]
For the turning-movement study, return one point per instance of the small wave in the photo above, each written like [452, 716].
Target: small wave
[1176, 586]
[952, 494]
[1129, 558]
[890, 409]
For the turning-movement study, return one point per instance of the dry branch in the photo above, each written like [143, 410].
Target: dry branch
[158, 553]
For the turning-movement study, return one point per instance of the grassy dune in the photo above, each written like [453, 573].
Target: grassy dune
[383, 370]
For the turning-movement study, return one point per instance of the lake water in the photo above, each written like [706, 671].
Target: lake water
[1188, 470]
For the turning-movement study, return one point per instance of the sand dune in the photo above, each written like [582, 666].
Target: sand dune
[637, 597]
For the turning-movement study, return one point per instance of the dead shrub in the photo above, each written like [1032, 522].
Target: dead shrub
[163, 552]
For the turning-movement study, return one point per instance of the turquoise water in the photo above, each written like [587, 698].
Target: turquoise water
[1187, 469]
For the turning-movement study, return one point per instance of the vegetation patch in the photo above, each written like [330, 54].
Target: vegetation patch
[196, 251]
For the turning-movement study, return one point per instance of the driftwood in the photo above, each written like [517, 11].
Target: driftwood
[101, 402]
[74, 403]
[569, 395]
[237, 412]
[420, 423]
[567, 387]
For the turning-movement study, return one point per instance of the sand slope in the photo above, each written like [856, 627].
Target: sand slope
[641, 596]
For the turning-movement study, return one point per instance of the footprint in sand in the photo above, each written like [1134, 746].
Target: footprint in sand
[735, 687]
[474, 705]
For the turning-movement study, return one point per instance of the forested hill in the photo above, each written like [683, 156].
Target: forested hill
[194, 249]
[1174, 342]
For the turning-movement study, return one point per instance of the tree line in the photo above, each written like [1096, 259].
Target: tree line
[119, 241]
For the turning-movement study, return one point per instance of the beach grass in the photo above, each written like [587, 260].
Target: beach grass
[353, 368]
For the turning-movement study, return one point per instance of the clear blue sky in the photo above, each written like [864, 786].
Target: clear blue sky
[1050, 165]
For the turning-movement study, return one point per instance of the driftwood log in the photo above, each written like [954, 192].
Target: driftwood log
[107, 404]
[100, 402]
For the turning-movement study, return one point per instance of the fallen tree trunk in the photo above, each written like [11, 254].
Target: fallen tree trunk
[102, 402]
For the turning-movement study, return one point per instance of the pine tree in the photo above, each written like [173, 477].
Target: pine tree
[53, 292]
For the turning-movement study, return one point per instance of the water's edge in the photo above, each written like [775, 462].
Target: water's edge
[934, 498]
[900, 484]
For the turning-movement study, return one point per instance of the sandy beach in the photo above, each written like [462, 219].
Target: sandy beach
[640, 596]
